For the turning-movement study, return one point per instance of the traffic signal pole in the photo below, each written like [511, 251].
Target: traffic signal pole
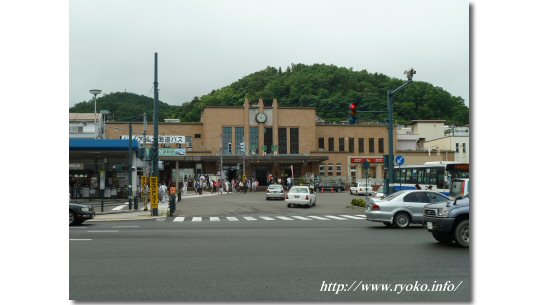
[155, 155]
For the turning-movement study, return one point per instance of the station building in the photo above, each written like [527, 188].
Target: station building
[279, 142]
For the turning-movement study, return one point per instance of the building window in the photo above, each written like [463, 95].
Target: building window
[371, 148]
[341, 144]
[253, 140]
[331, 144]
[294, 140]
[463, 147]
[239, 138]
[351, 145]
[321, 144]
[268, 140]
[381, 145]
[338, 169]
[282, 141]
[322, 169]
[457, 147]
[330, 169]
[361, 145]
[197, 135]
[226, 139]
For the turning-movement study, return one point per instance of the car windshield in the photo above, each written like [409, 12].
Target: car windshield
[299, 190]
[275, 186]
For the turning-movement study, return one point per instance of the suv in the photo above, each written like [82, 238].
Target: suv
[449, 221]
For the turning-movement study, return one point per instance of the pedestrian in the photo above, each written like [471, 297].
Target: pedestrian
[249, 185]
[145, 196]
[289, 183]
[172, 193]
[240, 186]
[163, 190]
[219, 186]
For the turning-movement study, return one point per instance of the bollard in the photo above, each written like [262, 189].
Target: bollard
[102, 205]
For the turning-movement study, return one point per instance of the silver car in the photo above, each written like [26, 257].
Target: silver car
[402, 208]
[301, 195]
[275, 191]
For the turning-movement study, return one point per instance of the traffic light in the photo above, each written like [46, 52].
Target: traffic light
[229, 147]
[353, 113]
[242, 146]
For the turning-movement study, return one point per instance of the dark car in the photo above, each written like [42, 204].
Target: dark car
[449, 222]
[329, 186]
[79, 213]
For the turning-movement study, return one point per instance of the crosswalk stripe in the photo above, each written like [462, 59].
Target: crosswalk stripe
[335, 217]
[318, 217]
[266, 218]
[250, 218]
[214, 219]
[301, 217]
[232, 219]
[362, 216]
[284, 218]
[196, 219]
[179, 219]
[352, 217]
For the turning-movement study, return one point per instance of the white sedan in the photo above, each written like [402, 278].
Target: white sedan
[301, 195]
[361, 189]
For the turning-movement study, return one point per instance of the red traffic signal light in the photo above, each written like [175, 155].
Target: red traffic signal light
[353, 106]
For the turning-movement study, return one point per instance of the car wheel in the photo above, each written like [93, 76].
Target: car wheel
[289, 205]
[72, 218]
[442, 237]
[461, 234]
[402, 220]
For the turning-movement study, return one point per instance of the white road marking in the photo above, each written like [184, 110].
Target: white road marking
[179, 219]
[301, 217]
[250, 218]
[232, 219]
[335, 217]
[81, 239]
[284, 218]
[352, 217]
[214, 219]
[197, 219]
[318, 217]
[362, 216]
[121, 207]
[266, 218]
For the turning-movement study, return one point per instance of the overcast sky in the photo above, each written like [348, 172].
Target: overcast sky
[207, 44]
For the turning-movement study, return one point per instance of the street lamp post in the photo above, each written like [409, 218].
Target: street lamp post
[390, 99]
[95, 92]
[104, 113]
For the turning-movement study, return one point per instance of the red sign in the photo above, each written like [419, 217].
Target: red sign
[362, 160]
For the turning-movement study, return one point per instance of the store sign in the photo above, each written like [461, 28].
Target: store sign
[172, 152]
[162, 139]
[363, 160]
[76, 166]
[154, 192]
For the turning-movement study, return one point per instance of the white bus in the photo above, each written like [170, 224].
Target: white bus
[436, 176]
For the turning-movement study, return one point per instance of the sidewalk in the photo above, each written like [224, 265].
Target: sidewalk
[134, 214]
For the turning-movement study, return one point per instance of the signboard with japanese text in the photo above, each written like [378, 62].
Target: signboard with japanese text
[144, 181]
[154, 192]
[162, 139]
[363, 160]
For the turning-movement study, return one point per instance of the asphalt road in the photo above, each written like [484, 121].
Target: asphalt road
[262, 260]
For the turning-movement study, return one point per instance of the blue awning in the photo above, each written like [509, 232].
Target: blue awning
[101, 145]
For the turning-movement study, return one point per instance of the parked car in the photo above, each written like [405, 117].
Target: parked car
[275, 191]
[402, 208]
[360, 188]
[329, 186]
[79, 213]
[301, 195]
[379, 193]
[449, 221]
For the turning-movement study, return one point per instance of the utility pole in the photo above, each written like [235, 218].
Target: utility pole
[146, 166]
[155, 173]
[390, 99]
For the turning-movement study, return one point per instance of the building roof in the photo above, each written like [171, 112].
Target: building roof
[101, 145]
[83, 117]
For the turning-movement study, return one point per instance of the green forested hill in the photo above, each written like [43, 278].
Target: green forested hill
[328, 88]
